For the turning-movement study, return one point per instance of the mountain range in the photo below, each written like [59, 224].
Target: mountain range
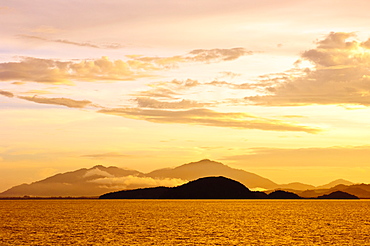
[100, 180]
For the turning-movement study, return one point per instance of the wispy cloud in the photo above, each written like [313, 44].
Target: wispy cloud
[69, 42]
[198, 55]
[6, 93]
[146, 102]
[217, 55]
[340, 75]
[134, 182]
[58, 101]
[208, 117]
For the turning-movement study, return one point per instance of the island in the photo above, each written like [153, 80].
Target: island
[202, 188]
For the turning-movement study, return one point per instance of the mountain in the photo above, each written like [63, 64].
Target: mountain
[338, 195]
[99, 180]
[82, 182]
[204, 168]
[335, 183]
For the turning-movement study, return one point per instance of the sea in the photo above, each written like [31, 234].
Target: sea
[184, 222]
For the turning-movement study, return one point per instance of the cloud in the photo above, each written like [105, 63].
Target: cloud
[217, 55]
[198, 55]
[331, 156]
[6, 93]
[97, 172]
[50, 71]
[58, 101]
[64, 41]
[208, 117]
[146, 102]
[64, 72]
[340, 75]
[134, 182]
[158, 92]
[228, 74]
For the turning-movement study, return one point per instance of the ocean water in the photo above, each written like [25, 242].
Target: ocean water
[184, 222]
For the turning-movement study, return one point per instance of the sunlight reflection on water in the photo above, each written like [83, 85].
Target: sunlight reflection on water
[184, 222]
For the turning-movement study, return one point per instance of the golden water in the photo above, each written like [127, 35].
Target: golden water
[184, 222]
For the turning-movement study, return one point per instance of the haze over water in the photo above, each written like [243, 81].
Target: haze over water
[184, 222]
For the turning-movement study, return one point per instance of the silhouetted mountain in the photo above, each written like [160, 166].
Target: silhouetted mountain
[338, 195]
[280, 194]
[82, 182]
[204, 168]
[335, 183]
[203, 188]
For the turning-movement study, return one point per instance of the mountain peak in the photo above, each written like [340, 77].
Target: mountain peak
[335, 183]
[98, 167]
[205, 161]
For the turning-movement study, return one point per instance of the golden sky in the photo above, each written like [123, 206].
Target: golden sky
[278, 88]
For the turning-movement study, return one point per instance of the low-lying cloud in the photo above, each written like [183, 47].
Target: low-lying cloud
[134, 182]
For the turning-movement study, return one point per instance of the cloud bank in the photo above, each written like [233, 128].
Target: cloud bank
[134, 182]
[340, 75]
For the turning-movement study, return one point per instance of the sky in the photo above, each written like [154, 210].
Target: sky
[277, 88]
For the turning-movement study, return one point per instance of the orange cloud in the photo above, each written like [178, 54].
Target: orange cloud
[64, 72]
[58, 101]
[208, 117]
[198, 55]
[146, 102]
[134, 182]
[217, 55]
[340, 76]
[6, 93]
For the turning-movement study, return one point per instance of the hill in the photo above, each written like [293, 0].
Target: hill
[82, 182]
[203, 188]
[99, 180]
[335, 183]
[338, 195]
[204, 168]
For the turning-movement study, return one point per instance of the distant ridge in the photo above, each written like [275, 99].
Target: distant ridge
[75, 183]
[99, 180]
[335, 183]
[204, 168]
[338, 195]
